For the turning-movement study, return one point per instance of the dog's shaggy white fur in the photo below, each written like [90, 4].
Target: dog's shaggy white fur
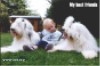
[24, 34]
[77, 38]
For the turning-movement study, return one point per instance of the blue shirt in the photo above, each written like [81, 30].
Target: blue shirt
[51, 38]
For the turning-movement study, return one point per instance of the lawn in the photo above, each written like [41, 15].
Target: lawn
[41, 57]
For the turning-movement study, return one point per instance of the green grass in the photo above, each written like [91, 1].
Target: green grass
[41, 57]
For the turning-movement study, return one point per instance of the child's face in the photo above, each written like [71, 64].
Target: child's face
[50, 27]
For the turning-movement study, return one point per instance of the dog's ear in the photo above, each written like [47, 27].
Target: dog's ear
[29, 35]
[24, 26]
[23, 20]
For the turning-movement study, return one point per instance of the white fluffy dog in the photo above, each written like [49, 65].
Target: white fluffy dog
[24, 34]
[77, 38]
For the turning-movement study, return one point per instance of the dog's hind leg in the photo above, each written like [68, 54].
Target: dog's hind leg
[89, 54]
[55, 48]
[61, 47]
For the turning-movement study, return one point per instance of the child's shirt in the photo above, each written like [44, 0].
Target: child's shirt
[51, 38]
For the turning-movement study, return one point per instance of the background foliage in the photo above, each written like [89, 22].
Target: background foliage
[12, 7]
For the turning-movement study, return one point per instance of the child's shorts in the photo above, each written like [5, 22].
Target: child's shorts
[42, 44]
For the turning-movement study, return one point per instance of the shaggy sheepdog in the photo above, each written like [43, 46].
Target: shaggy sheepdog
[76, 37]
[23, 35]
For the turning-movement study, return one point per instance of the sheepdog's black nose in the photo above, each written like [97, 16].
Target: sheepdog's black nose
[62, 30]
[12, 29]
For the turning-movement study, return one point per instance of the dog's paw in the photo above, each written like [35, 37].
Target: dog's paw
[89, 54]
[50, 51]
[35, 47]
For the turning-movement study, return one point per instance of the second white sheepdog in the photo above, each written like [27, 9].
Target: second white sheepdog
[78, 38]
[24, 35]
